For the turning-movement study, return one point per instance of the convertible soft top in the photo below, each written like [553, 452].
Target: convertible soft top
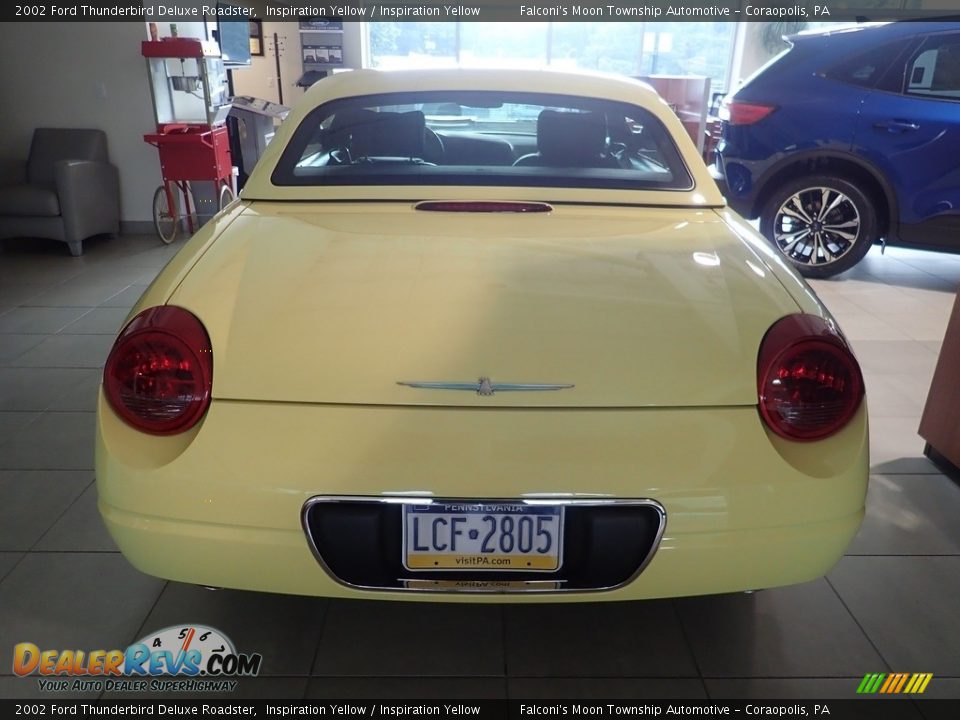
[701, 191]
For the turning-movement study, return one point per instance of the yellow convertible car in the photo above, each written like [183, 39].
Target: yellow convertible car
[478, 335]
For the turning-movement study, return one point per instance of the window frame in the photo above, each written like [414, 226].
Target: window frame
[284, 171]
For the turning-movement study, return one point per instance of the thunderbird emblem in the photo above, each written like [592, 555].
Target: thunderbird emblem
[483, 386]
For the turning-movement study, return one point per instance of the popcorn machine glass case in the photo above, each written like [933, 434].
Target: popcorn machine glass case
[190, 102]
[188, 82]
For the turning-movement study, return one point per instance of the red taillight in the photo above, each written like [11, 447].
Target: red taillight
[809, 383]
[483, 206]
[744, 113]
[159, 373]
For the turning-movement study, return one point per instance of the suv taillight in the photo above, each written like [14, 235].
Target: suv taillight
[744, 113]
[159, 374]
[809, 383]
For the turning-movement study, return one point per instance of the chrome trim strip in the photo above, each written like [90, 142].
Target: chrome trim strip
[426, 500]
[483, 386]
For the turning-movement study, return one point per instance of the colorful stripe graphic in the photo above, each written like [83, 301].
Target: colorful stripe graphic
[894, 683]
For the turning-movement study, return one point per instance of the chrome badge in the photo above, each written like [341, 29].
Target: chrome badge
[483, 386]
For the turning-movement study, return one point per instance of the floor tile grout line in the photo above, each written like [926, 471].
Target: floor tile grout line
[6, 366]
[907, 472]
[690, 648]
[858, 624]
[65, 307]
[503, 639]
[51, 410]
[140, 628]
[38, 413]
[143, 623]
[59, 330]
[57, 519]
[13, 567]
[323, 630]
[921, 269]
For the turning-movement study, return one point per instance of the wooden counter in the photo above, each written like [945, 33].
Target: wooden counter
[940, 424]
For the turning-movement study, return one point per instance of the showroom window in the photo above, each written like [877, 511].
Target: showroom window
[660, 48]
[395, 45]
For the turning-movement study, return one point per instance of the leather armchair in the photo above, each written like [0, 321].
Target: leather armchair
[67, 190]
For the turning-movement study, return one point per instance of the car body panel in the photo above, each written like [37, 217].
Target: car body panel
[426, 296]
[723, 479]
[919, 160]
[773, 262]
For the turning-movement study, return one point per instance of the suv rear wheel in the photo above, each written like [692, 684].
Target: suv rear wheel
[823, 225]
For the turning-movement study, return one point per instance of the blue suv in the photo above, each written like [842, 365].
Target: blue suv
[848, 137]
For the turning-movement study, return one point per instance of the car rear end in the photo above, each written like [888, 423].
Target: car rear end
[478, 392]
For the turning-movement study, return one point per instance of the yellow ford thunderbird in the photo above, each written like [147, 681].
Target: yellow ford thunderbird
[482, 336]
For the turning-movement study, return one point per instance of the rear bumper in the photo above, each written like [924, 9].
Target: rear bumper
[222, 504]
[281, 561]
[738, 182]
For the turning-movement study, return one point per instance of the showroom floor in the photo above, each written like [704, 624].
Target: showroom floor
[889, 606]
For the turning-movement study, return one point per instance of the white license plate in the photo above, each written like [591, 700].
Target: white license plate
[483, 536]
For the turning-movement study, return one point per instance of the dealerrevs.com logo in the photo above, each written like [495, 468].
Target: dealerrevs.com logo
[180, 658]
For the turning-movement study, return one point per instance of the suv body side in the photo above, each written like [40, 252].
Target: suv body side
[845, 107]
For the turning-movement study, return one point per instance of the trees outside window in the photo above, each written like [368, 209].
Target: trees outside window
[637, 48]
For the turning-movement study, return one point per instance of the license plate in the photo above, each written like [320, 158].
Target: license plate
[483, 536]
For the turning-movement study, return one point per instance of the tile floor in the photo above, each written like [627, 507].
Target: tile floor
[890, 605]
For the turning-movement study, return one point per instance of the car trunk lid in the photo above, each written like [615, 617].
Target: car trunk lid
[365, 303]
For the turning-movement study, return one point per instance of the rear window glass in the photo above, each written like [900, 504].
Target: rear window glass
[482, 138]
[935, 71]
[865, 69]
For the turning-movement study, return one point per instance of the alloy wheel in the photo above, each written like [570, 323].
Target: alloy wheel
[816, 226]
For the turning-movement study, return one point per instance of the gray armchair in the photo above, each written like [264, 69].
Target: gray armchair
[67, 190]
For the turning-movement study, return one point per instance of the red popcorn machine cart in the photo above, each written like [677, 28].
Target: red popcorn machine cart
[188, 83]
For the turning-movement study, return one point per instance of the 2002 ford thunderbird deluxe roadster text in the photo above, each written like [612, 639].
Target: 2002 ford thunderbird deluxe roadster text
[481, 335]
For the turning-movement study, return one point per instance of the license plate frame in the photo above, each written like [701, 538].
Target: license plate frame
[476, 516]
[492, 586]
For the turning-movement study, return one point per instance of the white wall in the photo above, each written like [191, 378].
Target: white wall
[354, 44]
[82, 75]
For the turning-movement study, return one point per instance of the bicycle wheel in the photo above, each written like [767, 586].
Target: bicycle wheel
[166, 220]
[226, 197]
